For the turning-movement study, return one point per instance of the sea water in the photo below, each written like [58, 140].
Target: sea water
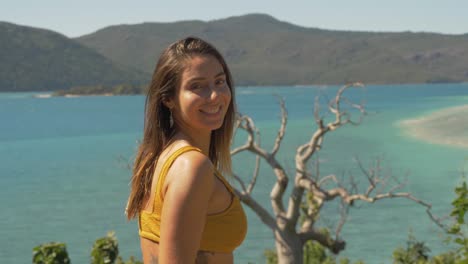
[64, 166]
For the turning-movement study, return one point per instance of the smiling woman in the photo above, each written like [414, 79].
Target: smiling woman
[187, 211]
[204, 96]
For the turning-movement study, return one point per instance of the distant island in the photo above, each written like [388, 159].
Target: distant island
[259, 49]
[120, 89]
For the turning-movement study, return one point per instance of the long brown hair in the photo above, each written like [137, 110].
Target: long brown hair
[157, 126]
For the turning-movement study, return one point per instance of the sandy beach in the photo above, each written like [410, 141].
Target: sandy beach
[447, 126]
[42, 95]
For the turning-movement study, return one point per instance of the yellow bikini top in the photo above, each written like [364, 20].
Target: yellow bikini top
[223, 231]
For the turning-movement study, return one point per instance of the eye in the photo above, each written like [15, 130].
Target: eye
[195, 86]
[220, 81]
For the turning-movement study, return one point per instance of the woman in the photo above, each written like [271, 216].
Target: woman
[187, 211]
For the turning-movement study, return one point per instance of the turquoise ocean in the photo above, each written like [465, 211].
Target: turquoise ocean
[64, 175]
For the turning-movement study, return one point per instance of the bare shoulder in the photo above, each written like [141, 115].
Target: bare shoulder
[189, 170]
[194, 159]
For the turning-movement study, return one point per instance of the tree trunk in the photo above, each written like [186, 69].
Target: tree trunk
[288, 247]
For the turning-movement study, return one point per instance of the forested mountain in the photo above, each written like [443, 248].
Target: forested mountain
[260, 49]
[34, 59]
[263, 50]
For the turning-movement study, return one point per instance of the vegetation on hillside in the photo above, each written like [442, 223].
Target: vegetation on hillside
[41, 60]
[264, 51]
[259, 49]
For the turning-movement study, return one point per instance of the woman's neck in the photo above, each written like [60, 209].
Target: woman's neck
[194, 138]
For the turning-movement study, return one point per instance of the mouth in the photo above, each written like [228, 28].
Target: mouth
[214, 110]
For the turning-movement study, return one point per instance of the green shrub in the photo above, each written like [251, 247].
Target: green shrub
[416, 252]
[132, 260]
[50, 253]
[105, 250]
[314, 253]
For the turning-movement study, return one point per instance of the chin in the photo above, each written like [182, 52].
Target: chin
[214, 126]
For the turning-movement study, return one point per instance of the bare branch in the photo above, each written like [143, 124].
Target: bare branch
[255, 175]
[246, 123]
[285, 221]
[327, 178]
[372, 175]
[241, 182]
[280, 186]
[314, 205]
[318, 119]
[282, 130]
[368, 175]
[344, 209]
[335, 246]
[251, 128]
[397, 187]
[361, 116]
[349, 199]
[311, 186]
[306, 151]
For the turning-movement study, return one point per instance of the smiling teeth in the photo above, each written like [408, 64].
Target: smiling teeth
[212, 110]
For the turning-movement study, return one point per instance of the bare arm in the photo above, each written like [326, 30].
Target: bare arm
[189, 186]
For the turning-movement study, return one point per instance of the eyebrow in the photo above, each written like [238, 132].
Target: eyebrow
[202, 78]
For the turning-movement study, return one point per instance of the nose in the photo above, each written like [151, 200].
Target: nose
[214, 93]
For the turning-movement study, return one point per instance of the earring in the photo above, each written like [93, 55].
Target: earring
[171, 119]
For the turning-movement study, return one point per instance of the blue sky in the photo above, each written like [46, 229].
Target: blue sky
[76, 18]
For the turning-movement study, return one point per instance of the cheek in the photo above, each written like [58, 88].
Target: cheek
[187, 102]
[227, 94]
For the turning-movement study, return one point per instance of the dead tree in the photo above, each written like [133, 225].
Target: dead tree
[289, 232]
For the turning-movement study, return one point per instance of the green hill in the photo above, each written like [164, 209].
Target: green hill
[260, 49]
[34, 59]
[264, 51]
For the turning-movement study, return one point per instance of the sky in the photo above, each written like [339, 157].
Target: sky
[77, 18]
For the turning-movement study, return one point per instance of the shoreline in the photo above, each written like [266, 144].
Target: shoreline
[294, 85]
[447, 126]
[81, 95]
[50, 95]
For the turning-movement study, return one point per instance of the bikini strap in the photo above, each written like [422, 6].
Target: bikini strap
[165, 168]
[224, 181]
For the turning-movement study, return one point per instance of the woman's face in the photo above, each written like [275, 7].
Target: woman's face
[202, 99]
